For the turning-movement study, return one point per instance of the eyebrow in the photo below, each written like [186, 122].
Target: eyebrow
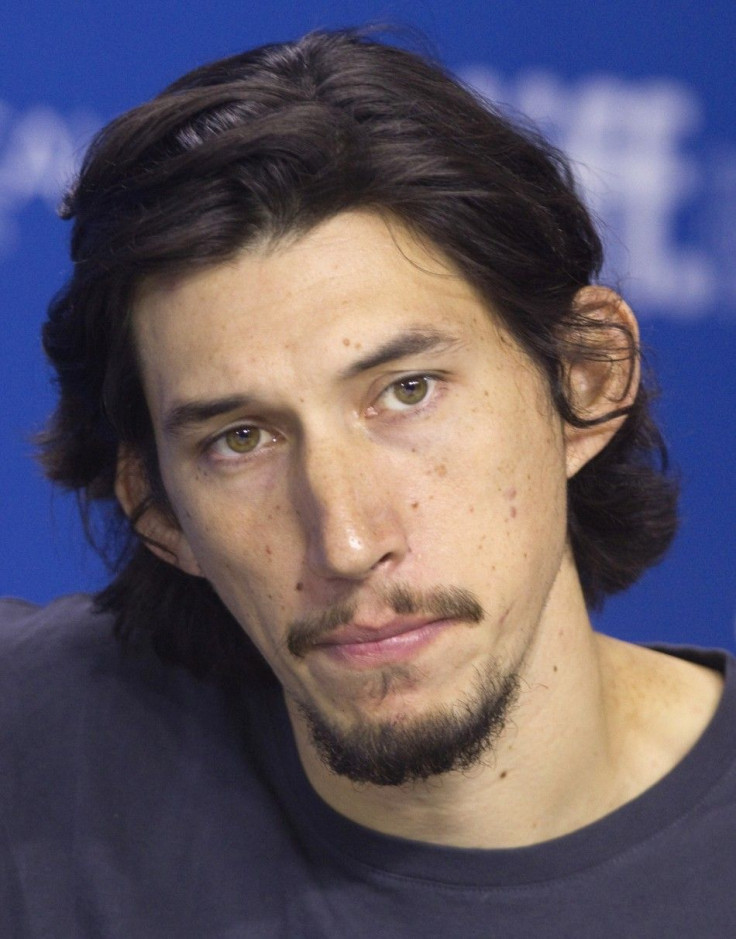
[190, 414]
[409, 342]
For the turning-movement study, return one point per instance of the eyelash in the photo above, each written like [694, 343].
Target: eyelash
[433, 383]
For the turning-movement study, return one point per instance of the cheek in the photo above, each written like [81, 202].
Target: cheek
[501, 494]
[245, 551]
[512, 461]
[255, 551]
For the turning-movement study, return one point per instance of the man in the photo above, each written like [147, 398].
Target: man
[370, 442]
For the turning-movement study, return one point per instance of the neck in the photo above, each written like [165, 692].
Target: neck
[583, 739]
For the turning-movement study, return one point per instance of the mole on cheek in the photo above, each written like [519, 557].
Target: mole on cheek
[510, 495]
[299, 585]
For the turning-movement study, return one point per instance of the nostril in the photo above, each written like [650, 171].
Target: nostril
[383, 560]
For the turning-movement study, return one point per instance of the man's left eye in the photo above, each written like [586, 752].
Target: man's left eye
[407, 392]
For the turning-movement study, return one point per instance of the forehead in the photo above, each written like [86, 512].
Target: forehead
[343, 255]
[300, 307]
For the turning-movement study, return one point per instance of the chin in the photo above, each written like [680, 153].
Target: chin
[402, 747]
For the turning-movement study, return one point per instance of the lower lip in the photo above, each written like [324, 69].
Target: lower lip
[387, 651]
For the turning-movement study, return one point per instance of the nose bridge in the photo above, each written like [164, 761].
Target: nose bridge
[347, 510]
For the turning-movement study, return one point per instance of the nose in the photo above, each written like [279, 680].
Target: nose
[349, 511]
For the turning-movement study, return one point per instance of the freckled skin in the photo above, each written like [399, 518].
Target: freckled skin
[355, 491]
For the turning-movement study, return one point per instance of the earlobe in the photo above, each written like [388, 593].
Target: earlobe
[602, 372]
[156, 527]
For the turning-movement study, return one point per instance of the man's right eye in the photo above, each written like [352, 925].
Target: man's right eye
[240, 441]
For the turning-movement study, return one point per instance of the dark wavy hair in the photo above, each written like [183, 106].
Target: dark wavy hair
[270, 143]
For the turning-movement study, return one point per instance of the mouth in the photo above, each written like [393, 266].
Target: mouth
[396, 641]
[409, 621]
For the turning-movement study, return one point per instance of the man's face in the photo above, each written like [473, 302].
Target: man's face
[363, 464]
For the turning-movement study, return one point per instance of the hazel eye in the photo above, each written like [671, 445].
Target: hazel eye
[408, 392]
[242, 439]
[411, 390]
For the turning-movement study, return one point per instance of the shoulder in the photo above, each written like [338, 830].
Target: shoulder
[691, 685]
[665, 676]
[685, 678]
[52, 643]
[61, 667]
[55, 651]
[664, 701]
[27, 629]
[120, 774]
[77, 706]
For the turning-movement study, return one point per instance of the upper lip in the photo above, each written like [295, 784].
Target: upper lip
[361, 632]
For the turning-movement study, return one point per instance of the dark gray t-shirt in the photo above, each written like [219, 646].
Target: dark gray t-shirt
[138, 802]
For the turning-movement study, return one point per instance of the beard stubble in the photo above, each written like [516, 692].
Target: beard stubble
[393, 752]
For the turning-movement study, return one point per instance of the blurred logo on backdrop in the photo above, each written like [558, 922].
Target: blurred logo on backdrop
[665, 202]
[40, 151]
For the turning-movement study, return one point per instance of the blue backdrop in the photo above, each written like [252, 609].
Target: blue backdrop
[641, 95]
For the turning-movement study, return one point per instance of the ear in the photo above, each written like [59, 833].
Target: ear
[156, 526]
[602, 373]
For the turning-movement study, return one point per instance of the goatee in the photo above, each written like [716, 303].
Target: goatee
[397, 751]
[392, 753]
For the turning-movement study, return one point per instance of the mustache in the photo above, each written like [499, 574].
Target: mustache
[440, 602]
